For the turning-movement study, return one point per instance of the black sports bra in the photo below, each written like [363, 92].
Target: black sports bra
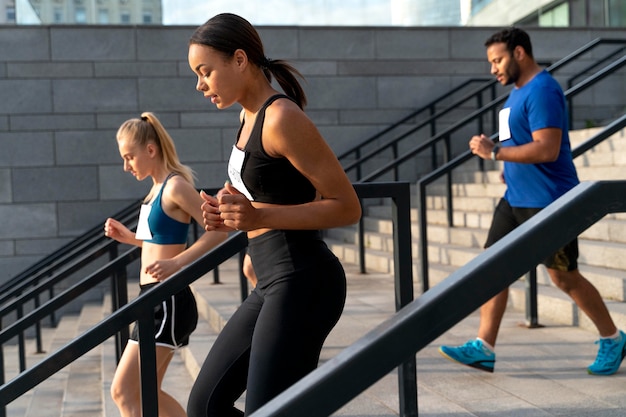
[264, 178]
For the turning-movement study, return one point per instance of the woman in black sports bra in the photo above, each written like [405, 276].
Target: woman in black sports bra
[285, 186]
[148, 152]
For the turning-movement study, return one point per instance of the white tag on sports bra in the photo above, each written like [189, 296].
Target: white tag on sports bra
[143, 229]
[234, 171]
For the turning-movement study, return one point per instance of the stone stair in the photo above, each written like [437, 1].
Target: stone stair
[601, 247]
[74, 390]
[82, 389]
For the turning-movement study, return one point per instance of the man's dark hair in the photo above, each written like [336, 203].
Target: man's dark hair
[512, 37]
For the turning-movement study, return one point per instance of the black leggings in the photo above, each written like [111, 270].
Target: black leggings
[275, 337]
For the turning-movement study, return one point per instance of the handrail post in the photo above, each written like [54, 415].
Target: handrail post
[532, 320]
[361, 237]
[403, 267]
[38, 341]
[119, 298]
[147, 354]
[423, 238]
[3, 408]
[21, 344]
[448, 156]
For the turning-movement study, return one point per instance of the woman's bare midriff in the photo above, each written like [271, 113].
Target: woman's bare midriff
[151, 252]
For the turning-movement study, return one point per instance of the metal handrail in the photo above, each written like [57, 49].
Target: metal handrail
[373, 356]
[116, 321]
[447, 168]
[140, 309]
[431, 120]
[52, 261]
[430, 106]
[393, 165]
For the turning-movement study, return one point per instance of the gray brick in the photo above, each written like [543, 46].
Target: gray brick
[87, 148]
[39, 247]
[12, 266]
[115, 184]
[5, 186]
[340, 43]
[49, 70]
[96, 44]
[136, 69]
[469, 44]
[55, 184]
[26, 96]
[75, 218]
[391, 91]
[165, 44]
[7, 248]
[3, 70]
[211, 117]
[343, 92]
[26, 149]
[170, 94]
[24, 44]
[53, 122]
[402, 44]
[379, 116]
[24, 221]
[308, 68]
[95, 95]
[4, 123]
[420, 68]
[198, 145]
[112, 121]
[280, 43]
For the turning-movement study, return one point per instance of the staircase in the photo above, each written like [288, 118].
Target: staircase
[82, 389]
[602, 247]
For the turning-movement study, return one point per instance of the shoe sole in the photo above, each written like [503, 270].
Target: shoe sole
[476, 365]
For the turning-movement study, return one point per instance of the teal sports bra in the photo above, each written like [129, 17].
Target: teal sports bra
[164, 229]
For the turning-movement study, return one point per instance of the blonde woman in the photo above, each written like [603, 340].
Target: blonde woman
[149, 152]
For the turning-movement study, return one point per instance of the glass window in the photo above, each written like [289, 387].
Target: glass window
[103, 16]
[147, 17]
[125, 17]
[616, 13]
[80, 15]
[10, 13]
[58, 15]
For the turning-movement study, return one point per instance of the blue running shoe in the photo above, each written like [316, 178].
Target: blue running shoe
[610, 356]
[473, 353]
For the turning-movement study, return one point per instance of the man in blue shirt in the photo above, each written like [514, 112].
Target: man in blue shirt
[538, 169]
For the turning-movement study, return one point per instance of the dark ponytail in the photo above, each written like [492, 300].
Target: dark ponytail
[228, 32]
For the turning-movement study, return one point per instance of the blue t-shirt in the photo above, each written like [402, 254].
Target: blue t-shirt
[537, 105]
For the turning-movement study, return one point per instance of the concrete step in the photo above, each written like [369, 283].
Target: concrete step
[47, 397]
[73, 391]
[529, 361]
[83, 392]
[19, 407]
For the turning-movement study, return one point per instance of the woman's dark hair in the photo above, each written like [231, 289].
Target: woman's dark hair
[512, 37]
[228, 32]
